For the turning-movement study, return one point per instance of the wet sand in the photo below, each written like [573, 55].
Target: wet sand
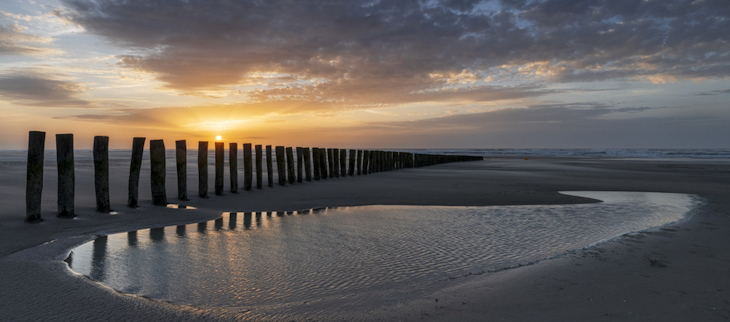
[680, 272]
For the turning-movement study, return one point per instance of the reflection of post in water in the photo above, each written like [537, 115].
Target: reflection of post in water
[132, 239]
[157, 234]
[258, 219]
[98, 258]
[218, 224]
[268, 214]
[280, 214]
[247, 220]
[232, 220]
[180, 230]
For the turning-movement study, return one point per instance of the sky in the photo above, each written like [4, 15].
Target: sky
[368, 74]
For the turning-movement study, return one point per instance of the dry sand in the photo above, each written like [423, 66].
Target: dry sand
[678, 273]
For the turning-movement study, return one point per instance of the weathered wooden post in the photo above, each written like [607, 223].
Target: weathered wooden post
[290, 165]
[34, 176]
[343, 163]
[280, 165]
[379, 161]
[66, 177]
[359, 162]
[336, 161]
[219, 167]
[307, 164]
[134, 170]
[269, 166]
[315, 156]
[373, 162]
[247, 167]
[386, 161]
[365, 161]
[203, 169]
[331, 162]
[300, 164]
[353, 157]
[101, 173]
[323, 163]
[233, 165]
[259, 167]
[181, 160]
[158, 170]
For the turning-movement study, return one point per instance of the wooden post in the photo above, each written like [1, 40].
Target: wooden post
[233, 165]
[315, 156]
[219, 167]
[373, 161]
[259, 167]
[181, 160]
[203, 169]
[353, 157]
[307, 164]
[343, 163]
[290, 165]
[34, 176]
[300, 164]
[331, 162]
[373, 164]
[336, 162]
[247, 167]
[101, 173]
[134, 170]
[381, 161]
[158, 170]
[269, 166]
[280, 165]
[365, 159]
[359, 162]
[323, 163]
[66, 177]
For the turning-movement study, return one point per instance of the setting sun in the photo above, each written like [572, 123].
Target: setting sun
[218, 138]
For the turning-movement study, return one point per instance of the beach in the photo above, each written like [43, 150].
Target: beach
[678, 272]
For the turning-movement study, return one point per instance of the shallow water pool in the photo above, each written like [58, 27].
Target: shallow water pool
[274, 258]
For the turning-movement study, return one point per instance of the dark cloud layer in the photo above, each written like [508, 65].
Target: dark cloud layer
[36, 90]
[578, 125]
[386, 52]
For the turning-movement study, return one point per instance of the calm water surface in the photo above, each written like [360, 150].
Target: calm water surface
[265, 258]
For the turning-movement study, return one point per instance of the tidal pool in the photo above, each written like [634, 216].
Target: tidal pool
[275, 258]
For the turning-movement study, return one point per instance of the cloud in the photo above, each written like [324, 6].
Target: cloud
[576, 125]
[716, 92]
[388, 52]
[14, 41]
[37, 90]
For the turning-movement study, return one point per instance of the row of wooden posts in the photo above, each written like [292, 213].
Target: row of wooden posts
[321, 163]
